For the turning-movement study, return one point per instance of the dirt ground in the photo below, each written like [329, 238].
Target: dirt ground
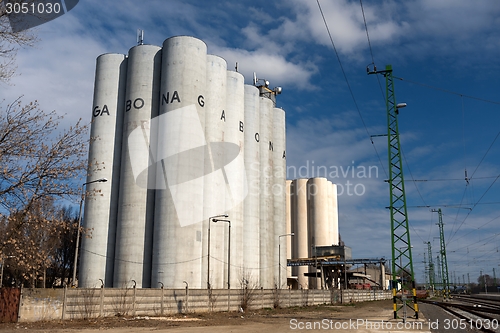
[346, 318]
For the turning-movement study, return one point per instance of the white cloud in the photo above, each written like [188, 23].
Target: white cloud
[272, 67]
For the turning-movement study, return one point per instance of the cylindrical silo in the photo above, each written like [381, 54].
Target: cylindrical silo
[267, 264]
[330, 212]
[214, 183]
[234, 168]
[318, 195]
[334, 222]
[278, 192]
[288, 230]
[177, 246]
[301, 238]
[97, 250]
[134, 230]
[318, 221]
[251, 227]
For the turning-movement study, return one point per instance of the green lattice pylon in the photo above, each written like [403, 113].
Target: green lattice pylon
[442, 252]
[402, 262]
[431, 266]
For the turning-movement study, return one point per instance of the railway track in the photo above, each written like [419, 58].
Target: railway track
[483, 318]
[478, 301]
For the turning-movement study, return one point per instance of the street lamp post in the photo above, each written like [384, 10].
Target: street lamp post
[279, 255]
[228, 252]
[102, 180]
[208, 252]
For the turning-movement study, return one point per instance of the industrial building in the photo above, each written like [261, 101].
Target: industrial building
[196, 191]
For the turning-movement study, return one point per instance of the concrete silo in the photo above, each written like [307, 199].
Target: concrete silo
[177, 246]
[267, 264]
[278, 192]
[334, 221]
[299, 225]
[234, 167]
[251, 227]
[288, 227]
[98, 244]
[214, 182]
[181, 139]
[134, 231]
[318, 222]
[319, 212]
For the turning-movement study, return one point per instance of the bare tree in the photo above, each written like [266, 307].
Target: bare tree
[10, 43]
[36, 161]
[37, 241]
[39, 164]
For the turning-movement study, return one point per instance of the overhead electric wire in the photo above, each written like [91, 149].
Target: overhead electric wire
[370, 47]
[349, 85]
[448, 91]
[478, 228]
[449, 179]
[366, 29]
[475, 204]
[487, 151]
[411, 175]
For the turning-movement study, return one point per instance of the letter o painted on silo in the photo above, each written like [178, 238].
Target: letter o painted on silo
[138, 103]
[257, 137]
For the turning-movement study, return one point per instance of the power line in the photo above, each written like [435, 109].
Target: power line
[448, 91]
[349, 85]
[449, 179]
[474, 206]
[370, 47]
[366, 29]
[487, 151]
[478, 228]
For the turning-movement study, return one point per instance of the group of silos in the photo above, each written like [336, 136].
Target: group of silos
[312, 216]
[181, 139]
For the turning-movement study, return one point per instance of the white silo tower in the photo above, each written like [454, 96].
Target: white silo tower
[214, 182]
[288, 227]
[278, 192]
[318, 222]
[177, 246]
[98, 244]
[299, 224]
[134, 230]
[267, 263]
[251, 227]
[234, 166]
[334, 215]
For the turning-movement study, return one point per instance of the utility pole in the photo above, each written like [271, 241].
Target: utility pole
[444, 261]
[431, 266]
[426, 273]
[439, 280]
[400, 234]
[494, 278]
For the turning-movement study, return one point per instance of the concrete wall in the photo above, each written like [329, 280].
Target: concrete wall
[56, 304]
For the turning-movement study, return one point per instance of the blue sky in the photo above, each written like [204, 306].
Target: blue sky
[447, 53]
